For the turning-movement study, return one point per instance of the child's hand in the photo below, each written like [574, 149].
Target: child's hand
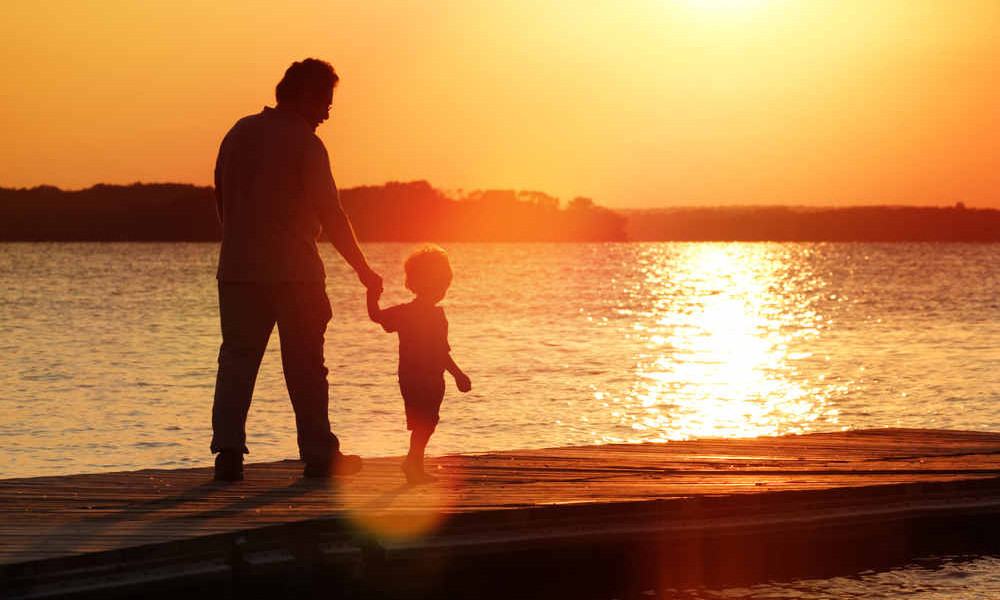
[463, 382]
[374, 293]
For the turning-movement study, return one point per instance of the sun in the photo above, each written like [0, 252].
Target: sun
[716, 12]
[723, 5]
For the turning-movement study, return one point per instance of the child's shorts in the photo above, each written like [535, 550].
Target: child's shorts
[422, 397]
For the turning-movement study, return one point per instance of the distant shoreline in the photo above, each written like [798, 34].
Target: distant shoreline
[786, 224]
[415, 211]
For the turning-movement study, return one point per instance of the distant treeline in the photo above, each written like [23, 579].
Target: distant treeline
[783, 224]
[412, 211]
[416, 211]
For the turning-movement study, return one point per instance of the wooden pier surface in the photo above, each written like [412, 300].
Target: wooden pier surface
[514, 497]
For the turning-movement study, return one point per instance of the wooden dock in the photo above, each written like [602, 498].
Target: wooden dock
[101, 533]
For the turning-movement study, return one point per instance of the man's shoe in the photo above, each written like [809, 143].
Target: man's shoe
[229, 466]
[343, 464]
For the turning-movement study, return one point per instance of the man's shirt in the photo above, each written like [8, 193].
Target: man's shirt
[275, 193]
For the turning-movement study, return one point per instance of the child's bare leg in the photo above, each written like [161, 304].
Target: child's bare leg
[418, 444]
[413, 466]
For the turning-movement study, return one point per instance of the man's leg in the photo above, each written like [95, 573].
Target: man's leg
[247, 317]
[303, 313]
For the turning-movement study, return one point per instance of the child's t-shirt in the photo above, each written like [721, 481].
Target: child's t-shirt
[423, 338]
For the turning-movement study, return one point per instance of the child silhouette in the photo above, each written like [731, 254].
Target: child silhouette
[424, 353]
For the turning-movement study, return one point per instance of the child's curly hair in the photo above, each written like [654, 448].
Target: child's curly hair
[428, 271]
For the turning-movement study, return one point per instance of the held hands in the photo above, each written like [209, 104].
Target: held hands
[463, 382]
[371, 280]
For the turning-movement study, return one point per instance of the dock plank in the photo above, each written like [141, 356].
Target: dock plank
[45, 518]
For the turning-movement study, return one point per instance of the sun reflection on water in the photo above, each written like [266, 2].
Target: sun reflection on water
[720, 342]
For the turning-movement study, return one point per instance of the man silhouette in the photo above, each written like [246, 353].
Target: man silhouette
[274, 193]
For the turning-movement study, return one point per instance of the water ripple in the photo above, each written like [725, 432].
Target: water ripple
[110, 349]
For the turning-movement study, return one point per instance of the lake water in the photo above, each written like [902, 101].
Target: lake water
[960, 577]
[109, 350]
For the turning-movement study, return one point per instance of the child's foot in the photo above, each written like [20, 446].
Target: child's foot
[415, 474]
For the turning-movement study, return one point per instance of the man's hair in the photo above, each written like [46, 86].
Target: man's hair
[428, 271]
[309, 74]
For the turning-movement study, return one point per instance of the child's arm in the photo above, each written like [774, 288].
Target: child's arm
[461, 379]
[388, 318]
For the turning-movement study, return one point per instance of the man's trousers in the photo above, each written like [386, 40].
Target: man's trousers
[248, 313]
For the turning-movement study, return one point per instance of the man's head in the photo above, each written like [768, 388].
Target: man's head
[307, 89]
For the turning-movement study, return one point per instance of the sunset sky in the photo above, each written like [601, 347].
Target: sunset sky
[635, 103]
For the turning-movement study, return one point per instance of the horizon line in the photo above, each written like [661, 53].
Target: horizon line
[756, 205]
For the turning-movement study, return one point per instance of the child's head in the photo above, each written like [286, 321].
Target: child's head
[428, 273]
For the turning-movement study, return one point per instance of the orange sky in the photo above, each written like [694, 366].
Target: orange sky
[634, 103]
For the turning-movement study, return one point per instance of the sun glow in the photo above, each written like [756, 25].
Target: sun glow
[694, 102]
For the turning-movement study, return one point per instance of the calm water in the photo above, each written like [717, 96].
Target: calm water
[109, 354]
[109, 349]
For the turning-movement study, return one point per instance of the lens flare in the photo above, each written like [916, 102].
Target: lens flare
[382, 506]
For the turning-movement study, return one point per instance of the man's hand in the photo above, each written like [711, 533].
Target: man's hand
[463, 382]
[370, 279]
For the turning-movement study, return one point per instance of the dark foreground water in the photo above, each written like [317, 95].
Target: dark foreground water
[932, 578]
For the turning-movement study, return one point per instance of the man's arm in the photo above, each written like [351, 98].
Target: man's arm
[341, 233]
[322, 192]
[218, 179]
[374, 311]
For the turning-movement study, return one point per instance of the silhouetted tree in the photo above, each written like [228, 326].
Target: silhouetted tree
[416, 211]
[397, 211]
